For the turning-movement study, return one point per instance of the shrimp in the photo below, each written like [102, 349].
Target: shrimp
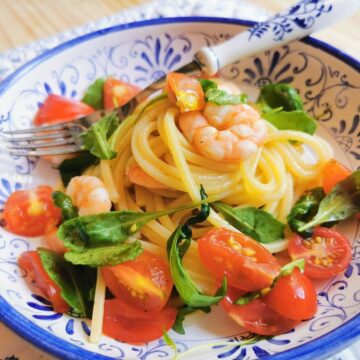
[138, 176]
[89, 195]
[227, 86]
[54, 243]
[224, 132]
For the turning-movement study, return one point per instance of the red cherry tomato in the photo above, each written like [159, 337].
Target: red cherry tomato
[125, 323]
[144, 283]
[31, 262]
[185, 91]
[57, 109]
[118, 93]
[31, 212]
[333, 173]
[327, 253]
[256, 316]
[246, 264]
[293, 296]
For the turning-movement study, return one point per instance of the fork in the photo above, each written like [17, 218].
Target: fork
[294, 23]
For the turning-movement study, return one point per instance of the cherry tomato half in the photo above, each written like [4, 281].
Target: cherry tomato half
[256, 316]
[118, 93]
[246, 264]
[328, 252]
[31, 262]
[134, 326]
[57, 109]
[293, 296]
[31, 212]
[144, 283]
[185, 91]
[333, 173]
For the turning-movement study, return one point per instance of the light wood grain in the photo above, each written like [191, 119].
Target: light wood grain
[23, 21]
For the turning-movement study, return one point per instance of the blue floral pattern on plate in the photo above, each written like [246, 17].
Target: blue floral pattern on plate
[328, 86]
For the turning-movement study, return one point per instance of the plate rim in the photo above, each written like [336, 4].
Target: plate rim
[332, 341]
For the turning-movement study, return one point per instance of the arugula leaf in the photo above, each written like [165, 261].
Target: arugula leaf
[177, 245]
[86, 232]
[70, 168]
[304, 210]
[64, 202]
[256, 223]
[95, 139]
[280, 95]
[291, 120]
[77, 283]
[220, 97]
[94, 95]
[170, 342]
[341, 203]
[105, 255]
[285, 270]
[186, 310]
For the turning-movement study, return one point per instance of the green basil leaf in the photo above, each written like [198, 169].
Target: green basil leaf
[62, 201]
[92, 231]
[70, 168]
[186, 310]
[280, 95]
[95, 139]
[94, 95]
[292, 120]
[77, 283]
[105, 255]
[256, 223]
[341, 203]
[304, 210]
[220, 97]
[285, 270]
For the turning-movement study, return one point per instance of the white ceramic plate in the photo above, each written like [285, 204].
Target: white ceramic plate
[328, 81]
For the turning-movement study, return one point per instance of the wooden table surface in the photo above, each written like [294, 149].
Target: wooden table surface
[23, 21]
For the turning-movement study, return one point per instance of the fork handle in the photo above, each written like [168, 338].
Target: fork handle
[294, 23]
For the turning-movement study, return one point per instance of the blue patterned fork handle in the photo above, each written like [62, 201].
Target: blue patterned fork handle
[298, 21]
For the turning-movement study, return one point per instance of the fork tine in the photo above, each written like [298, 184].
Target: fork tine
[61, 126]
[59, 150]
[43, 144]
[49, 136]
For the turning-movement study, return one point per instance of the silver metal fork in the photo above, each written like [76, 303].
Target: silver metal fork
[300, 19]
[63, 138]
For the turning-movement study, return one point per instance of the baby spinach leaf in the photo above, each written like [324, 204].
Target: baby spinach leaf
[280, 95]
[94, 95]
[77, 283]
[292, 120]
[183, 311]
[177, 246]
[64, 202]
[92, 231]
[341, 203]
[106, 255]
[70, 168]
[95, 139]
[256, 223]
[220, 97]
[285, 270]
[304, 210]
